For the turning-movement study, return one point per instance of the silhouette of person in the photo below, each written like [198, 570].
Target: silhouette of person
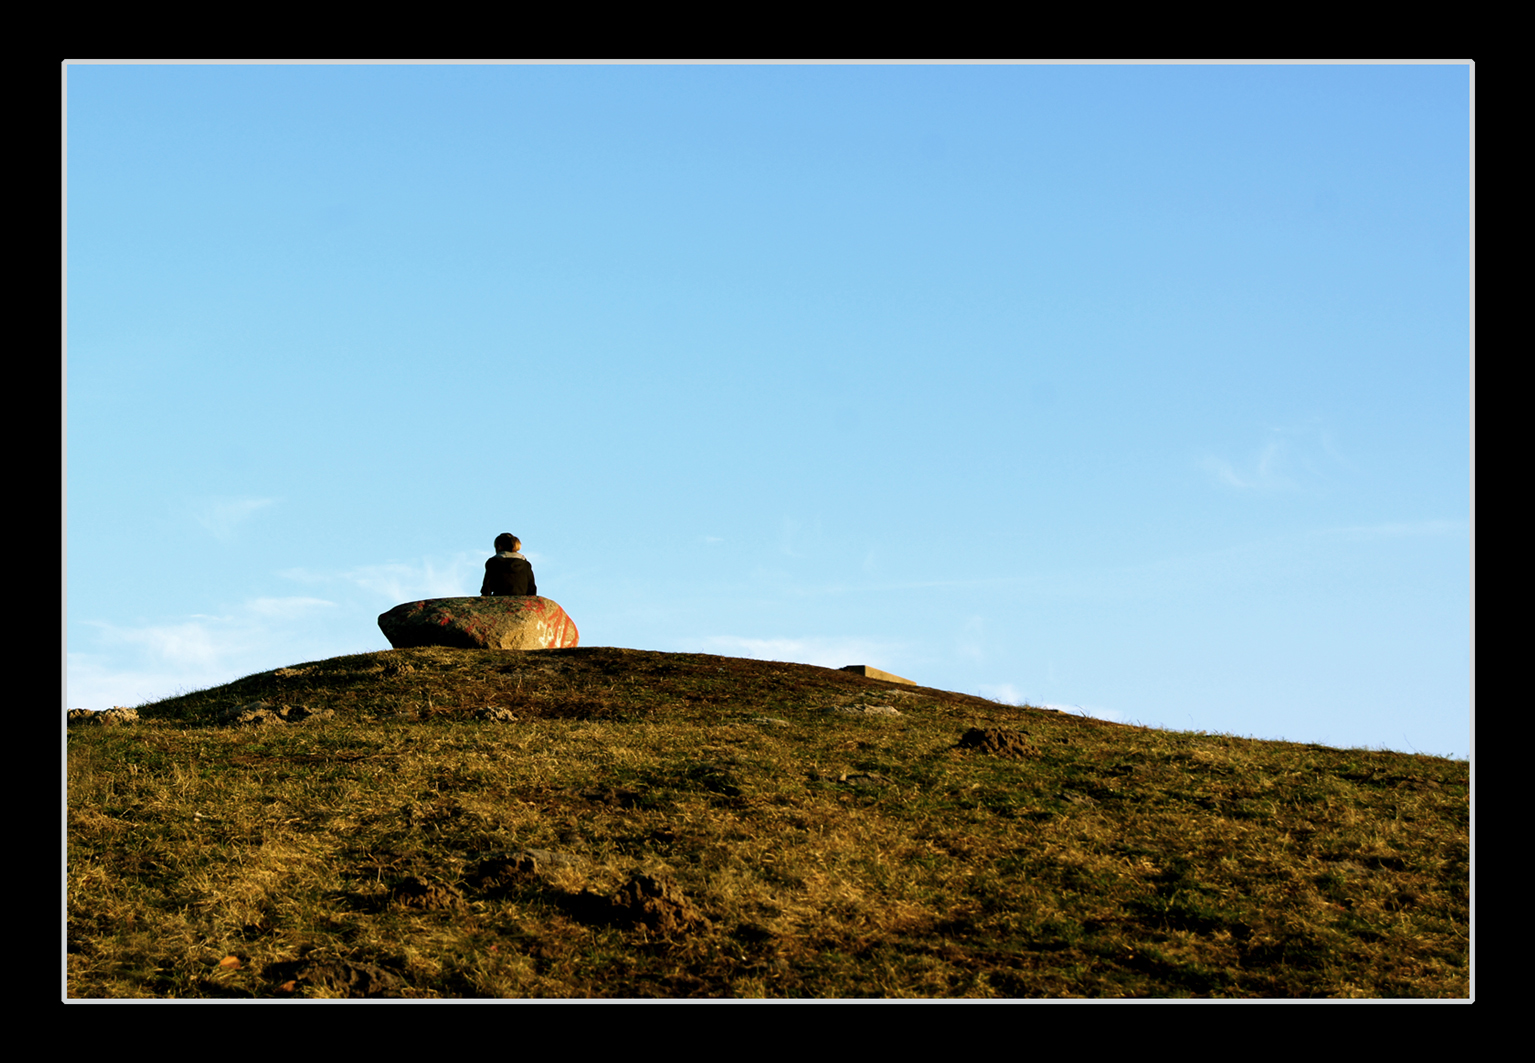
[508, 572]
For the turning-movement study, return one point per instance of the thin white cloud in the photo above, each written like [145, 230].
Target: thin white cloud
[1006, 693]
[96, 684]
[1111, 715]
[222, 515]
[970, 641]
[1265, 472]
[205, 643]
[1237, 565]
[828, 653]
[1401, 529]
[1290, 459]
[128, 664]
[283, 608]
[799, 538]
[307, 575]
[1223, 472]
[1009, 694]
[397, 582]
[190, 644]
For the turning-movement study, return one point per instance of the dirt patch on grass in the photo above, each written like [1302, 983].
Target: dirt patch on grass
[651, 901]
[333, 978]
[998, 741]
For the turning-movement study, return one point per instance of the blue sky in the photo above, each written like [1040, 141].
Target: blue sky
[1137, 390]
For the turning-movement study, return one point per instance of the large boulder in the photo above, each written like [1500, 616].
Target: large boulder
[500, 622]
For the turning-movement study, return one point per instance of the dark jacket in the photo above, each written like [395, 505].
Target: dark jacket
[508, 574]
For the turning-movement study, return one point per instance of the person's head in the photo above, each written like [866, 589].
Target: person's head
[507, 543]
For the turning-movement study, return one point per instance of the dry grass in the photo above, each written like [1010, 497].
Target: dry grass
[820, 853]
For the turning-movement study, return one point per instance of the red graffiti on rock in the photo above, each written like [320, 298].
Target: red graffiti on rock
[505, 622]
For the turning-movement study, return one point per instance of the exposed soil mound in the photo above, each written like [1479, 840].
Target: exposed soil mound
[338, 978]
[651, 901]
[426, 896]
[998, 741]
[497, 873]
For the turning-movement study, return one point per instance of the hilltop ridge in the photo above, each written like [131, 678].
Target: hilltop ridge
[598, 821]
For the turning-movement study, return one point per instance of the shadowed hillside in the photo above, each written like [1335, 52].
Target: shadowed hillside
[602, 822]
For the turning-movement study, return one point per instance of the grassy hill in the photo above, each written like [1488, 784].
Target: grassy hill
[684, 825]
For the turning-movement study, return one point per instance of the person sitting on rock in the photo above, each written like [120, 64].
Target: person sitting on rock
[508, 572]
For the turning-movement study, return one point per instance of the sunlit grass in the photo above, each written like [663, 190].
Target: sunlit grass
[820, 854]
